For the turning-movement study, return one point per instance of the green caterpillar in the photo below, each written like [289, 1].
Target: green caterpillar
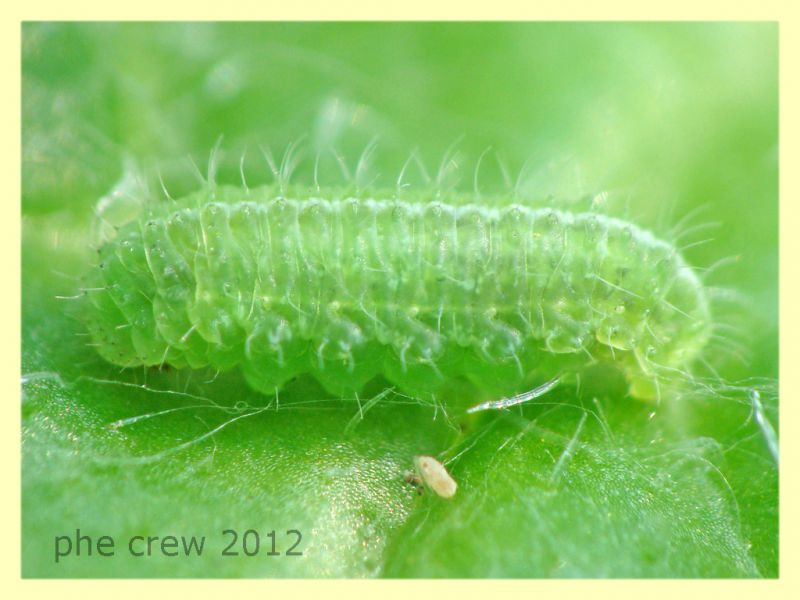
[417, 290]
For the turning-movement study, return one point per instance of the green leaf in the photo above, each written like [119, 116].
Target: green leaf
[582, 483]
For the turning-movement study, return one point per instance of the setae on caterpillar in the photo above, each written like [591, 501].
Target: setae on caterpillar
[416, 289]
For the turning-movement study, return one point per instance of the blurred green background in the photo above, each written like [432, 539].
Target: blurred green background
[665, 118]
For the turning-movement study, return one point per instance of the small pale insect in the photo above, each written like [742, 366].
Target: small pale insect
[435, 476]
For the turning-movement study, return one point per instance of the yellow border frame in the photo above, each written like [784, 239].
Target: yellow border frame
[783, 12]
